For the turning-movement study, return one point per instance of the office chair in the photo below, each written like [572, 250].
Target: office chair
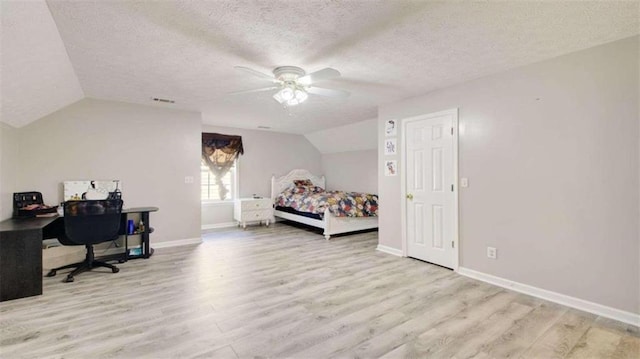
[88, 223]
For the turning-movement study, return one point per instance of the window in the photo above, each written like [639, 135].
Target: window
[209, 189]
[218, 172]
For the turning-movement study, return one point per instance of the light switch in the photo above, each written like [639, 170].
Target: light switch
[464, 182]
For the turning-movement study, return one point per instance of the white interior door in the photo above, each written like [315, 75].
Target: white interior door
[430, 175]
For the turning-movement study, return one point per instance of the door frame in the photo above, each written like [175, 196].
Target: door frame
[403, 180]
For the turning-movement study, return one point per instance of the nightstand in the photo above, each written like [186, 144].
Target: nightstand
[252, 210]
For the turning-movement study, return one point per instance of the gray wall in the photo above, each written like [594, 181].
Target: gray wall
[8, 168]
[358, 136]
[355, 171]
[265, 154]
[150, 149]
[551, 152]
[349, 156]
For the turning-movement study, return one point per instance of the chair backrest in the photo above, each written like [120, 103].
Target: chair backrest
[92, 221]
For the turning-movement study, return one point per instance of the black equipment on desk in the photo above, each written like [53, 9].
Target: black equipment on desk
[87, 223]
[24, 200]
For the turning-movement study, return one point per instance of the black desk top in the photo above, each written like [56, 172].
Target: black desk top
[140, 209]
[23, 224]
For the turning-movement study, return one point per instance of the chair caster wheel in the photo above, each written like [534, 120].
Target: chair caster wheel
[115, 270]
[52, 273]
[69, 279]
[121, 260]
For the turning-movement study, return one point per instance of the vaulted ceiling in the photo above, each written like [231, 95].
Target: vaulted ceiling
[57, 52]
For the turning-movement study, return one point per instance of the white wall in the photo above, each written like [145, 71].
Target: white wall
[359, 136]
[265, 154]
[349, 156]
[552, 156]
[8, 168]
[150, 149]
[354, 171]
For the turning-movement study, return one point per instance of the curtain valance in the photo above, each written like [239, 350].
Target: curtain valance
[219, 152]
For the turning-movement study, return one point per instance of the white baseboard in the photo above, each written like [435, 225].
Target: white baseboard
[389, 250]
[577, 303]
[179, 242]
[218, 225]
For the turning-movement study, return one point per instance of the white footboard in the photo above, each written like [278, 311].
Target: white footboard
[330, 225]
[337, 225]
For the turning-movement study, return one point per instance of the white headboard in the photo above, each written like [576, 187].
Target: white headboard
[279, 184]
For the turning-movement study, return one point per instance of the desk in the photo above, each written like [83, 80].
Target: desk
[21, 250]
[21, 257]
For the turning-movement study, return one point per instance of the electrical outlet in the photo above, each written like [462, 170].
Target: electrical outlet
[188, 179]
[492, 252]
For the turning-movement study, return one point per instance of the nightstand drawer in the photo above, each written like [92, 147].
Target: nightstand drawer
[255, 204]
[259, 215]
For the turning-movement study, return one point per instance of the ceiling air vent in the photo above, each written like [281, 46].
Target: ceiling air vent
[163, 100]
[264, 127]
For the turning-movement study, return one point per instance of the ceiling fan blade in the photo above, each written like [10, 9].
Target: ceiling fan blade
[254, 90]
[328, 92]
[255, 72]
[324, 74]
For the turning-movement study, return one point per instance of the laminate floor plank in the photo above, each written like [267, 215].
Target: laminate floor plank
[339, 316]
[595, 343]
[469, 343]
[435, 312]
[385, 321]
[562, 336]
[628, 348]
[519, 337]
[442, 334]
[334, 306]
[284, 291]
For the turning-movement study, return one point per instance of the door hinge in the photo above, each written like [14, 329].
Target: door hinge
[452, 244]
[451, 187]
[451, 131]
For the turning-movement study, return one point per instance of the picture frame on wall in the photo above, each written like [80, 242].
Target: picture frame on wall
[391, 127]
[390, 147]
[391, 168]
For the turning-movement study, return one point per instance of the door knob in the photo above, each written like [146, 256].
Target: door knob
[410, 196]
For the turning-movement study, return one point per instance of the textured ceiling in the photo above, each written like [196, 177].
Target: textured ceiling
[386, 50]
[36, 75]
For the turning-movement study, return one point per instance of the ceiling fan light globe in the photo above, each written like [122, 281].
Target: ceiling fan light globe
[287, 93]
[301, 95]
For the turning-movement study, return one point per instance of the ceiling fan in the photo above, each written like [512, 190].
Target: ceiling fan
[294, 85]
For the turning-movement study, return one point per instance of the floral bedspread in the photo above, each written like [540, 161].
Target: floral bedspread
[312, 199]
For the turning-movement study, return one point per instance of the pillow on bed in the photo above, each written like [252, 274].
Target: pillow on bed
[306, 189]
[303, 182]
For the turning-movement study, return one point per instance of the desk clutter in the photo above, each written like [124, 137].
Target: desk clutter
[92, 189]
[30, 204]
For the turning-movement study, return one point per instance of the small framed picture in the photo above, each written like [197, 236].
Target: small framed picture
[391, 168]
[390, 146]
[391, 127]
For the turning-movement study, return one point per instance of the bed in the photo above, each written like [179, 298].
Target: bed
[329, 223]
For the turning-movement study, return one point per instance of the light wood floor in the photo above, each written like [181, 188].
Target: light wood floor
[286, 292]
